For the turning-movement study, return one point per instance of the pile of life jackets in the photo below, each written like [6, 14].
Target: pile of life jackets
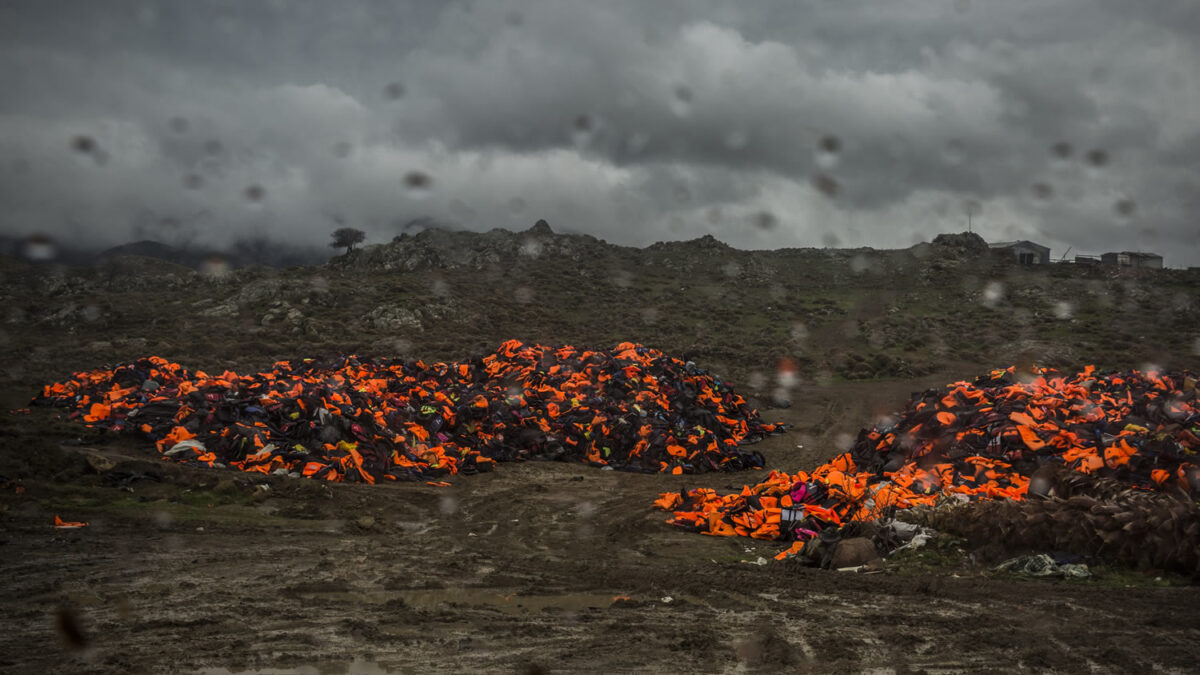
[343, 419]
[969, 441]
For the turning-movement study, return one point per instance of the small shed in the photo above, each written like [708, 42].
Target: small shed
[1026, 252]
[1139, 259]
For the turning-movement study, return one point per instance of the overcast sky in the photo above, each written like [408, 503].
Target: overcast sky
[771, 124]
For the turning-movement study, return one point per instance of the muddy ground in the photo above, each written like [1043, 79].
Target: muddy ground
[547, 567]
[537, 567]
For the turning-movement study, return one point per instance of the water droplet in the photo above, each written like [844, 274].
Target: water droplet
[859, 264]
[523, 295]
[786, 374]
[583, 128]
[1125, 207]
[179, 125]
[637, 142]
[828, 152]
[193, 181]
[448, 505]
[214, 266]
[830, 240]
[40, 248]
[843, 442]
[1196, 346]
[417, 184]
[1042, 191]
[713, 215]
[826, 185]
[799, 332]
[1062, 150]
[393, 91]
[90, 313]
[682, 195]
[212, 146]
[342, 149]
[1097, 158]
[736, 139]
[765, 220]
[993, 292]
[1063, 310]
[650, 315]
[531, 248]
[439, 288]
[517, 205]
[514, 19]
[757, 381]
[731, 270]
[84, 144]
[681, 102]
[255, 193]
[955, 152]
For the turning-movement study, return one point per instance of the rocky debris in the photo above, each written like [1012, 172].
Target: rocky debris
[395, 317]
[963, 243]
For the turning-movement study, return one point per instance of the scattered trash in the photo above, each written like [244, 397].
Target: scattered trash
[344, 419]
[60, 524]
[969, 441]
[1043, 565]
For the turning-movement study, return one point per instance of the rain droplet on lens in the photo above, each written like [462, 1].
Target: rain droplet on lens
[955, 151]
[393, 91]
[179, 125]
[212, 146]
[1097, 158]
[84, 144]
[681, 102]
[418, 183]
[1042, 190]
[736, 139]
[1063, 309]
[831, 240]
[342, 149]
[1125, 207]
[765, 220]
[682, 195]
[517, 205]
[255, 193]
[39, 247]
[69, 630]
[214, 266]
[582, 129]
[992, 293]
[828, 149]
[90, 313]
[523, 295]
[1062, 150]
[514, 18]
[826, 185]
[193, 181]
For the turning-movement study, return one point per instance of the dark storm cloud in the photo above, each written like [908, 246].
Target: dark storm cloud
[854, 123]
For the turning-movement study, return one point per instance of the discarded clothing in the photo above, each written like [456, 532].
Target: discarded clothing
[971, 441]
[343, 419]
[1043, 565]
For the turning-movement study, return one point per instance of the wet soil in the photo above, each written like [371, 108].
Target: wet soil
[537, 567]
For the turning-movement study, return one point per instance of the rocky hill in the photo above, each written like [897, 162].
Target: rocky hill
[948, 307]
